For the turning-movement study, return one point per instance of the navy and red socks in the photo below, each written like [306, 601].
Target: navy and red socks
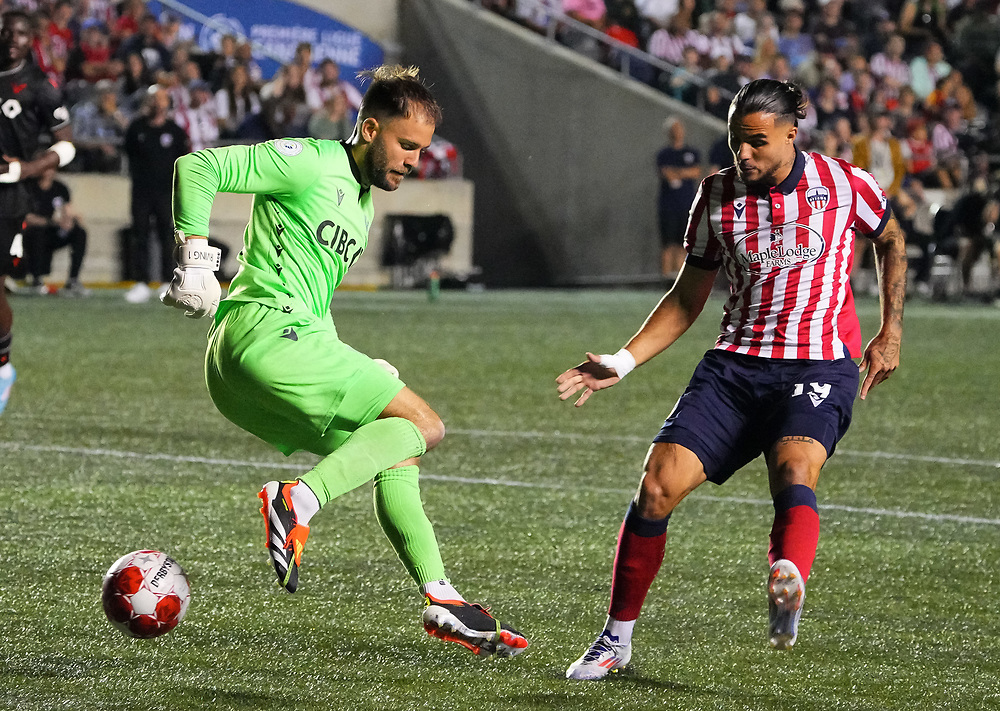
[795, 533]
[641, 544]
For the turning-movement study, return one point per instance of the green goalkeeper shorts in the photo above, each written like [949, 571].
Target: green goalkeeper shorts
[290, 380]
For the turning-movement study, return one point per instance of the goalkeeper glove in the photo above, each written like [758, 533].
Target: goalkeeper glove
[194, 288]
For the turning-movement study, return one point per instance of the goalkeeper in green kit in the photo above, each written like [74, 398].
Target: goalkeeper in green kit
[275, 365]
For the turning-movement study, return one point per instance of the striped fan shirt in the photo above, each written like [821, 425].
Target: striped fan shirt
[787, 252]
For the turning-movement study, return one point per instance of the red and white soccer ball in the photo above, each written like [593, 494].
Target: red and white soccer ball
[145, 594]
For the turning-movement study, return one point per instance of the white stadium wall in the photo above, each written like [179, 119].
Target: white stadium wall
[103, 202]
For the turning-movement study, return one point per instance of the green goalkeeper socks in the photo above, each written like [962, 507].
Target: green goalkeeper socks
[370, 452]
[401, 516]
[371, 449]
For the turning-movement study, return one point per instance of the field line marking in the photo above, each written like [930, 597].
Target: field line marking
[647, 440]
[294, 466]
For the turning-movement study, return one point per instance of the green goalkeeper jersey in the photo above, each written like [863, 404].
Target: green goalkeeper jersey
[309, 223]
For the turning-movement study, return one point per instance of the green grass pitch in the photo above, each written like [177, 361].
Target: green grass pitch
[111, 444]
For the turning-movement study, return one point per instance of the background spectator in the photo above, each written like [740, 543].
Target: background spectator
[99, 132]
[927, 69]
[880, 153]
[286, 107]
[199, 119]
[244, 56]
[922, 21]
[537, 16]
[91, 61]
[146, 42]
[793, 41]
[332, 120]
[922, 162]
[223, 63]
[153, 142]
[684, 82]
[754, 19]
[127, 24]
[679, 168]
[591, 13]
[51, 225]
[133, 84]
[237, 105]
[330, 83]
[889, 67]
[60, 36]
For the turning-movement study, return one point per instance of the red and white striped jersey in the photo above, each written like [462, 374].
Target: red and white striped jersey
[788, 252]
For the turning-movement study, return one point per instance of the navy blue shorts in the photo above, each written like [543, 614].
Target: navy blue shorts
[737, 406]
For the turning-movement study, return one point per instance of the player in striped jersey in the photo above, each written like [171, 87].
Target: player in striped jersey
[781, 379]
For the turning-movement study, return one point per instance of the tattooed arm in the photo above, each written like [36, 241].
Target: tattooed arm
[881, 357]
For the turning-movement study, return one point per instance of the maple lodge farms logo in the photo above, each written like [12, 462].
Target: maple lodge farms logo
[778, 247]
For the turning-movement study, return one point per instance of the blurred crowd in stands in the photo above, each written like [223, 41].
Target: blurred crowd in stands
[107, 55]
[907, 89]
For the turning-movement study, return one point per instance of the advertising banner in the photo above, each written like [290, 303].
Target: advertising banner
[275, 27]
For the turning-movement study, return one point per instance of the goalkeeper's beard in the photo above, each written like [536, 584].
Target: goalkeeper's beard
[377, 166]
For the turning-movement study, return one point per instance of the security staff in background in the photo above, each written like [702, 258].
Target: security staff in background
[153, 141]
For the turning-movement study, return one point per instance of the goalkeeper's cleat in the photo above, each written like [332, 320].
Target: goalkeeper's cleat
[286, 537]
[6, 383]
[473, 627]
[786, 592]
[604, 657]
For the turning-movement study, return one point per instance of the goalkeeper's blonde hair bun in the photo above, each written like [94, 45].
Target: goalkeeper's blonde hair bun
[390, 72]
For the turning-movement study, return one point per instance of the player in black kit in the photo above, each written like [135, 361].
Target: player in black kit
[30, 107]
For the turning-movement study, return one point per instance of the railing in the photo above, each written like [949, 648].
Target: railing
[626, 54]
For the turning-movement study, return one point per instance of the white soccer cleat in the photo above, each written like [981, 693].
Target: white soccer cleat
[140, 293]
[786, 592]
[603, 657]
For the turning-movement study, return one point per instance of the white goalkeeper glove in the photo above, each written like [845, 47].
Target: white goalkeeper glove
[194, 288]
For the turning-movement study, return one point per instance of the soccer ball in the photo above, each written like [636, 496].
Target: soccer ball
[145, 594]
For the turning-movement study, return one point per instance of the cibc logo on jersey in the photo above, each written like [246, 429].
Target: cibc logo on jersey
[330, 234]
[779, 246]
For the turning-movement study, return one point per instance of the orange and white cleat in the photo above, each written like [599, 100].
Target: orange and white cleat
[473, 627]
[286, 537]
[786, 592]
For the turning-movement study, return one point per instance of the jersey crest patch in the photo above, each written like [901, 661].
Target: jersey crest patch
[288, 148]
[818, 197]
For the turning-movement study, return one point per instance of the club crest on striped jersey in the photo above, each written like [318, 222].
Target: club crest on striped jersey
[778, 247]
[818, 198]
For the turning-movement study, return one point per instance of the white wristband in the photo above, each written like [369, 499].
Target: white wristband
[199, 256]
[13, 173]
[65, 150]
[621, 362]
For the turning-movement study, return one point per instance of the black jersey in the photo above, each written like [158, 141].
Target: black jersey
[30, 107]
[46, 203]
[151, 152]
